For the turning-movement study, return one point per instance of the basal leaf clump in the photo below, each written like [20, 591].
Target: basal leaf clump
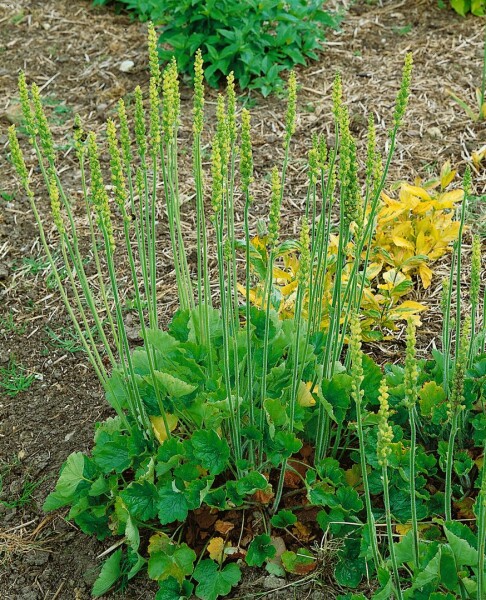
[232, 415]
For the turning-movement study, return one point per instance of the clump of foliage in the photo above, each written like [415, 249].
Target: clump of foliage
[463, 7]
[254, 39]
[232, 412]
[410, 234]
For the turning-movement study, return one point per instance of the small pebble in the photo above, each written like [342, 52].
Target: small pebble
[126, 66]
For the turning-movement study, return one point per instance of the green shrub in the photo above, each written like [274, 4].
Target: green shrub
[256, 39]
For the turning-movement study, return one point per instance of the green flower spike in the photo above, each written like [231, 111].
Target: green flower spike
[55, 204]
[25, 105]
[198, 110]
[171, 101]
[43, 126]
[154, 118]
[290, 120]
[314, 166]
[124, 133]
[304, 265]
[356, 359]
[98, 192]
[404, 91]
[337, 97]
[385, 432]
[153, 55]
[17, 157]
[117, 177]
[216, 171]
[231, 98]
[78, 137]
[223, 133]
[274, 218]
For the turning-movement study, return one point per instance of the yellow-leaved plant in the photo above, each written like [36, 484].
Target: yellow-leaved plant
[412, 232]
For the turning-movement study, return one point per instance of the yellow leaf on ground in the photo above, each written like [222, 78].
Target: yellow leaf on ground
[158, 426]
[216, 549]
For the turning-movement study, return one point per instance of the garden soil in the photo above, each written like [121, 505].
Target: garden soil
[78, 56]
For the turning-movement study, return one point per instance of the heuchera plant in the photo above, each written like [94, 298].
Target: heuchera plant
[254, 39]
[232, 412]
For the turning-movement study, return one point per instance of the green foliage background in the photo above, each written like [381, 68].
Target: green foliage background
[256, 39]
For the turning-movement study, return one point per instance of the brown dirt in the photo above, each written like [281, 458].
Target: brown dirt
[73, 51]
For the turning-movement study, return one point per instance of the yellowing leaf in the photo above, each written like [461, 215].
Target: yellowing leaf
[373, 270]
[281, 274]
[403, 529]
[158, 426]
[216, 549]
[304, 396]
[425, 275]
[402, 242]
[289, 288]
[414, 190]
[411, 305]
[450, 198]
[353, 475]
[446, 175]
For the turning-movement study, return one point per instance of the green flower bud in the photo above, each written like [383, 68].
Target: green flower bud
[25, 105]
[356, 355]
[274, 220]
[171, 102]
[79, 137]
[313, 162]
[117, 176]
[153, 55]
[385, 432]
[217, 174]
[304, 265]
[231, 96]
[43, 126]
[290, 120]
[124, 133]
[17, 156]
[223, 133]
[154, 118]
[404, 92]
[55, 204]
[98, 192]
[337, 97]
